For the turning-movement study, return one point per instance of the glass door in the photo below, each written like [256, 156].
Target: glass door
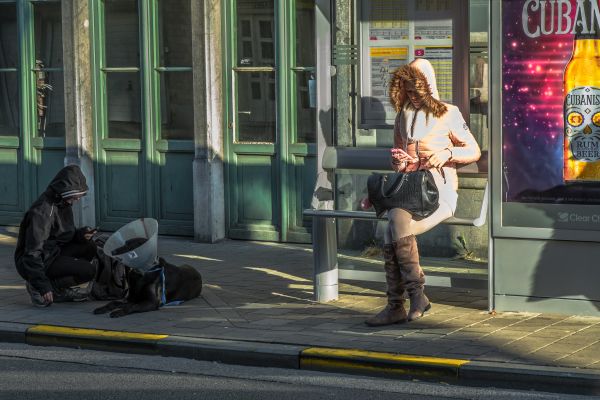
[270, 136]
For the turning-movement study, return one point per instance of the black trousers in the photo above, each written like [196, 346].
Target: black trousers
[73, 266]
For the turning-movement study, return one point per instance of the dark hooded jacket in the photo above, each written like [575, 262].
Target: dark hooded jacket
[47, 226]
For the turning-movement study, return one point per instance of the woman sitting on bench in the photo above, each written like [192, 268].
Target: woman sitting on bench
[444, 139]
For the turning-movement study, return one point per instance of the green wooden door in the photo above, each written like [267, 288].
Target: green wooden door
[32, 114]
[270, 151]
[144, 113]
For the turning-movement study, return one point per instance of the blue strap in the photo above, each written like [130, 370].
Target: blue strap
[163, 296]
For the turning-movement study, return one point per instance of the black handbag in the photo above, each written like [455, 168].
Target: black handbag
[415, 192]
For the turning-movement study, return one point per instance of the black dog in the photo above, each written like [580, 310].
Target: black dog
[145, 289]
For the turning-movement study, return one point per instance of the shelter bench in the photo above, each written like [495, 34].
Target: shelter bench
[324, 235]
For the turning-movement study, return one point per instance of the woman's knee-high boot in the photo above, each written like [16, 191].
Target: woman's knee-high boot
[413, 278]
[394, 312]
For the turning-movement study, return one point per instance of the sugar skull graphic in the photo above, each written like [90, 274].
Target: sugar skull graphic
[582, 123]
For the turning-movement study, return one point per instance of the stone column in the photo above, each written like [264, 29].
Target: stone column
[209, 199]
[78, 100]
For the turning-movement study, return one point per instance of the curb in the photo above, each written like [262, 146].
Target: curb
[370, 362]
[353, 361]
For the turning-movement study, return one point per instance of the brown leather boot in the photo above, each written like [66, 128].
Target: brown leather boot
[394, 312]
[407, 254]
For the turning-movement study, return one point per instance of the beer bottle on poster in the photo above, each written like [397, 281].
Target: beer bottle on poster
[582, 108]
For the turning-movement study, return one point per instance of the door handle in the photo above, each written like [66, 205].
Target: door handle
[245, 112]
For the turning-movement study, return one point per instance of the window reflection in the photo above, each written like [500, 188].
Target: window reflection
[9, 39]
[256, 107]
[256, 35]
[48, 34]
[9, 82]
[122, 33]
[124, 105]
[9, 104]
[175, 33]
[306, 107]
[50, 104]
[176, 104]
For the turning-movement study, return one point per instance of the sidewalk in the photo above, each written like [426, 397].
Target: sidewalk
[258, 295]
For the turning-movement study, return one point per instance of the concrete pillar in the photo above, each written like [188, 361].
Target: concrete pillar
[209, 199]
[78, 100]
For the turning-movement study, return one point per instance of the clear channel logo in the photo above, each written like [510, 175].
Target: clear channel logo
[568, 217]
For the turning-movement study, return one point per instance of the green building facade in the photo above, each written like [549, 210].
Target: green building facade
[204, 114]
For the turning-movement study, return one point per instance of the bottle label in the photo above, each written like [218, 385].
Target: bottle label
[582, 123]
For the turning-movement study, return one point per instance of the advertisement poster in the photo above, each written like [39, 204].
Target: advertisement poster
[550, 103]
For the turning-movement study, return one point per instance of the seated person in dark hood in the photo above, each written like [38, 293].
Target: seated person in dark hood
[52, 255]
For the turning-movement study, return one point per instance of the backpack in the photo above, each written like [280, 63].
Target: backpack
[110, 282]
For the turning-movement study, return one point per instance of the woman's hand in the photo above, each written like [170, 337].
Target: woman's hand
[365, 204]
[439, 159]
[399, 155]
[401, 160]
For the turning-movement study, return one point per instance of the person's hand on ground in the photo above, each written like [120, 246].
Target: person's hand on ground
[89, 233]
[48, 298]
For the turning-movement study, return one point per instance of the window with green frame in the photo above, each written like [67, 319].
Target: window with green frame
[9, 86]
[42, 23]
[48, 69]
[175, 67]
[166, 36]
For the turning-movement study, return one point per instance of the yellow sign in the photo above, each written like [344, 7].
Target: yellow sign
[389, 52]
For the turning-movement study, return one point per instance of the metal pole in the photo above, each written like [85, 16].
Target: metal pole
[325, 259]
[324, 231]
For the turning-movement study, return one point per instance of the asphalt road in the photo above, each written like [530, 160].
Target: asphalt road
[28, 372]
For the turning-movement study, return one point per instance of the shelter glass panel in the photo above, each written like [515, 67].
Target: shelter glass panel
[550, 117]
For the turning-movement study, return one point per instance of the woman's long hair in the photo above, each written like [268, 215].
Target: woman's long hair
[398, 96]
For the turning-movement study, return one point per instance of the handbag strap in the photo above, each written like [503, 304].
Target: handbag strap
[412, 133]
[396, 189]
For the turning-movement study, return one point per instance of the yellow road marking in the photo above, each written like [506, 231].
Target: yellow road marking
[83, 332]
[337, 365]
[345, 354]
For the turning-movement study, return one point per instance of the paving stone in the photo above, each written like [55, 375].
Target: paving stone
[274, 303]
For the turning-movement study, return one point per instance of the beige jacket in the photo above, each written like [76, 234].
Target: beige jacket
[449, 131]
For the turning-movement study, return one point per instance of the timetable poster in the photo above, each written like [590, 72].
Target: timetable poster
[441, 60]
[384, 61]
[433, 19]
[388, 20]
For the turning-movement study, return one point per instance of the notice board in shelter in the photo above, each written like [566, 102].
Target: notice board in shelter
[392, 34]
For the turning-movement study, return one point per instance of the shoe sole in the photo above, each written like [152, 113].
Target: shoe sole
[423, 313]
[402, 321]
